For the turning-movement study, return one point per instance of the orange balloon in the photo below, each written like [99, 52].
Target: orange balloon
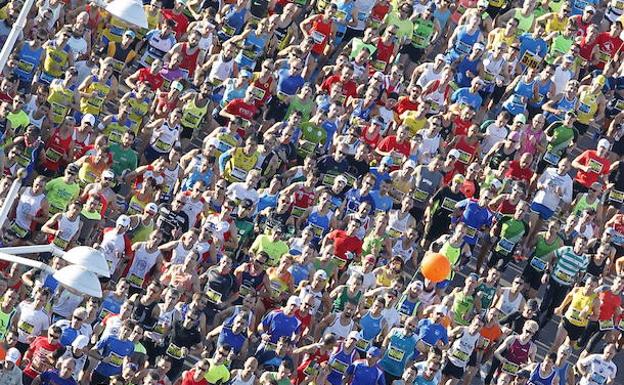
[435, 267]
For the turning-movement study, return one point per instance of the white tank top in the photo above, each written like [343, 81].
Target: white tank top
[221, 70]
[192, 209]
[238, 380]
[428, 75]
[35, 122]
[27, 208]
[397, 223]
[462, 348]
[142, 263]
[68, 230]
[508, 306]
[112, 244]
[165, 320]
[179, 253]
[170, 178]
[405, 254]
[340, 331]
[492, 67]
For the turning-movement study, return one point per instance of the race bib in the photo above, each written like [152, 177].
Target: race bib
[420, 195]
[595, 166]
[339, 366]
[258, 93]
[362, 344]
[60, 243]
[318, 37]
[598, 378]
[115, 359]
[161, 146]
[530, 59]
[25, 327]
[19, 231]
[563, 276]
[471, 231]
[505, 246]
[341, 263]
[538, 264]
[175, 351]
[510, 368]
[461, 355]
[52, 155]
[395, 354]
[213, 296]
[449, 204]
[616, 196]
[238, 173]
[464, 157]
[135, 280]
[606, 324]
[551, 158]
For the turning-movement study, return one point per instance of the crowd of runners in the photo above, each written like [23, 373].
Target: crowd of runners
[265, 177]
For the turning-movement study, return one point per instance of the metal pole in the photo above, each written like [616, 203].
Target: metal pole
[18, 26]
[17, 183]
[36, 249]
[26, 261]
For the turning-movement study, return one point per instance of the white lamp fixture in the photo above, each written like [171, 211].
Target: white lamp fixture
[89, 259]
[130, 11]
[79, 279]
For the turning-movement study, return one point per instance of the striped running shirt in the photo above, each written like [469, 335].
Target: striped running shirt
[568, 265]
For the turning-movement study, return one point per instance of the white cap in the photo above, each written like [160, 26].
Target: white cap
[479, 46]
[13, 355]
[410, 163]
[321, 274]
[88, 118]
[123, 221]
[454, 153]
[342, 178]
[151, 207]
[496, 184]
[354, 334]
[441, 309]
[589, 8]
[604, 143]
[108, 174]
[294, 300]
[80, 342]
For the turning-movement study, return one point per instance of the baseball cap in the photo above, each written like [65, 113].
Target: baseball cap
[600, 79]
[321, 274]
[496, 184]
[520, 118]
[246, 73]
[416, 285]
[373, 352]
[176, 85]
[108, 174]
[378, 120]
[454, 153]
[387, 160]
[151, 208]
[73, 169]
[479, 46]
[370, 258]
[342, 178]
[88, 118]
[246, 203]
[80, 342]
[354, 334]
[441, 309]
[590, 8]
[409, 163]
[294, 300]
[123, 221]
[130, 33]
[13, 355]
[533, 304]
[604, 143]
[568, 57]
[483, 3]
[459, 178]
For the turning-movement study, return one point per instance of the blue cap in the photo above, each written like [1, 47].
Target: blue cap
[373, 351]
[130, 33]
[387, 160]
[246, 73]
